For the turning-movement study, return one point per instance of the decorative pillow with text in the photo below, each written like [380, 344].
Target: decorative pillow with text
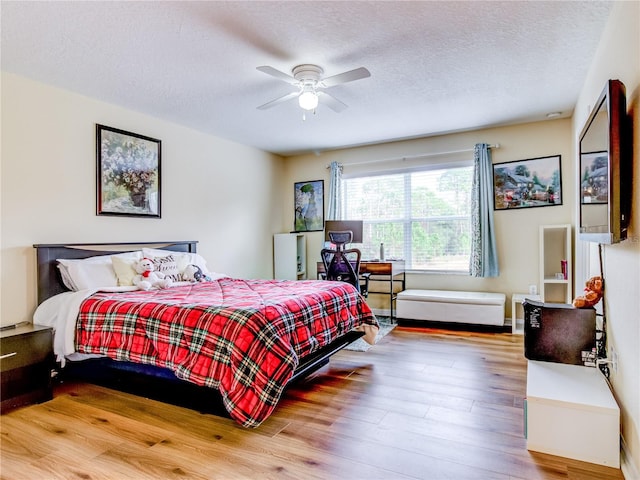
[169, 266]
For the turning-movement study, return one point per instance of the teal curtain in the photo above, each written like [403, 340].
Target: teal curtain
[334, 210]
[484, 257]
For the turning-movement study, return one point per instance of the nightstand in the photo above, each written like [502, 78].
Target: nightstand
[26, 361]
[517, 324]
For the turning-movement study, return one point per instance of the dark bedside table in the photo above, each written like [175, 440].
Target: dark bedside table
[26, 361]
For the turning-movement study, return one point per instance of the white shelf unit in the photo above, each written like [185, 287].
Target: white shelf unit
[289, 256]
[555, 247]
[570, 412]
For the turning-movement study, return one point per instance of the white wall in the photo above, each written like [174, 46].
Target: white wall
[618, 57]
[223, 194]
[517, 230]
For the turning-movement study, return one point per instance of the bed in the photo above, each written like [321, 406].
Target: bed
[223, 345]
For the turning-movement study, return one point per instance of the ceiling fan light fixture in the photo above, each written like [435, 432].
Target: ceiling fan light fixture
[308, 99]
[311, 85]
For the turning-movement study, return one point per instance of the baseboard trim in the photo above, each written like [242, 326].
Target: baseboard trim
[629, 469]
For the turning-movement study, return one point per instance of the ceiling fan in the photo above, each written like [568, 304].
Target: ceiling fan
[310, 86]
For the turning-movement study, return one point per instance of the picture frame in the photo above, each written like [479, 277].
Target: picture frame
[309, 206]
[533, 182]
[128, 173]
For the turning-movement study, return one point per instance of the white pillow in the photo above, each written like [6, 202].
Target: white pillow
[182, 258]
[66, 278]
[124, 270]
[92, 272]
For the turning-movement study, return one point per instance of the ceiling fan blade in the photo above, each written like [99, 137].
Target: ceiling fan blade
[345, 77]
[279, 100]
[332, 102]
[278, 74]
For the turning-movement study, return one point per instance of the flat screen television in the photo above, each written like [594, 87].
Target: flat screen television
[343, 225]
[605, 169]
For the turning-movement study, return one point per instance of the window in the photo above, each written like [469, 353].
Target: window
[421, 216]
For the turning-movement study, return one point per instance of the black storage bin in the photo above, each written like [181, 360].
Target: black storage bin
[558, 332]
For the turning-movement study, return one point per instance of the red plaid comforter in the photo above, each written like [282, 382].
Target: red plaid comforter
[243, 337]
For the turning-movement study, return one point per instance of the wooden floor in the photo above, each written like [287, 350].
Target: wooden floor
[423, 403]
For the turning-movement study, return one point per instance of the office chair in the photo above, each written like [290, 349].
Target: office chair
[343, 264]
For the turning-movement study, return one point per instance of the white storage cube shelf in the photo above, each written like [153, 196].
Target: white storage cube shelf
[555, 247]
[570, 412]
[289, 256]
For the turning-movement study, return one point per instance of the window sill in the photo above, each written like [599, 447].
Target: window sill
[438, 272]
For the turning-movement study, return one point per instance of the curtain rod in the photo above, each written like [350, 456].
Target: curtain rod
[413, 157]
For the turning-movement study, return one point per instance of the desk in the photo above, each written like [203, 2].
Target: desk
[392, 272]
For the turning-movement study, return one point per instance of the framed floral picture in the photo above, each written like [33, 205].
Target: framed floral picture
[309, 206]
[128, 182]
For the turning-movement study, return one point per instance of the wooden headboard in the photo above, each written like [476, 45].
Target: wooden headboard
[48, 275]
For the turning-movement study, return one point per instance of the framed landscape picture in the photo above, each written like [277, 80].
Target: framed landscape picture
[535, 182]
[309, 206]
[128, 167]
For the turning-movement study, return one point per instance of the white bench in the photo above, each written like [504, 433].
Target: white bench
[451, 306]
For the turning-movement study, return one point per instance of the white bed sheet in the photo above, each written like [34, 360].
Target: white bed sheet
[61, 313]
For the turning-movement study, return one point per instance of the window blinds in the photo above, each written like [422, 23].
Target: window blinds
[421, 216]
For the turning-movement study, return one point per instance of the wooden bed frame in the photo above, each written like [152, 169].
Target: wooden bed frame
[147, 380]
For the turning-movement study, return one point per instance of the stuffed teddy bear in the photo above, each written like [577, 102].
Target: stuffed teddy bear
[594, 288]
[193, 273]
[147, 278]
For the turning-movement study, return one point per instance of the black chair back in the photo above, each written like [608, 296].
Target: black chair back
[342, 264]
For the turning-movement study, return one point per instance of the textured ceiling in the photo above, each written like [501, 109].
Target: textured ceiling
[436, 67]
